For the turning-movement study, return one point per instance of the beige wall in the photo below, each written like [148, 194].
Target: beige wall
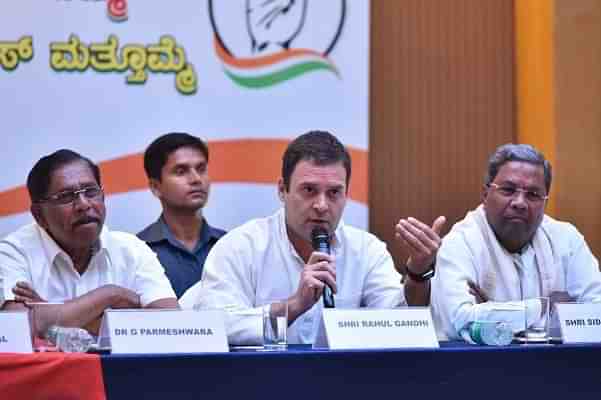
[558, 71]
[442, 98]
[578, 116]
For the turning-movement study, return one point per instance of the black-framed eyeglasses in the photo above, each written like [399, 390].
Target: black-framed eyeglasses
[511, 191]
[69, 196]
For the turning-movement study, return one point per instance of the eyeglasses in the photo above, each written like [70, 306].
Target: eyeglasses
[511, 191]
[69, 196]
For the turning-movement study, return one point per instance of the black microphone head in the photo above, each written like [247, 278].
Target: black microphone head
[320, 239]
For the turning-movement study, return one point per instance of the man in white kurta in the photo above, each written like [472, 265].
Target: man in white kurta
[272, 259]
[69, 256]
[506, 254]
[558, 260]
[30, 255]
[256, 264]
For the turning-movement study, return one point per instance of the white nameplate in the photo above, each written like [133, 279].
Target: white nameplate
[376, 329]
[15, 335]
[579, 322]
[164, 331]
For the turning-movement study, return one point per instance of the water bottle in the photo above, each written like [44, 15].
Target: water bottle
[70, 340]
[492, 333]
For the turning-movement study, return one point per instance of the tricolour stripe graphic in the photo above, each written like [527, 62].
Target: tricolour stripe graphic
[259, 72]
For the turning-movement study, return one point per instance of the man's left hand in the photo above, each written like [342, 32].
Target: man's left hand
[25, 293]
[421, 241]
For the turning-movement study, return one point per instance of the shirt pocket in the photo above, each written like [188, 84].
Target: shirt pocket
[347, 301]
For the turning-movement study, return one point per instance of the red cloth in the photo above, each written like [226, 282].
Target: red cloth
[51, 376]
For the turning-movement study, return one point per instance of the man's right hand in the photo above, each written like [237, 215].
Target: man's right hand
[123, 298]
[83, 311]
[319, 271]
[477, 292]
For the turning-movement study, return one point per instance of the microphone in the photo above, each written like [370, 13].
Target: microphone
[321, 242]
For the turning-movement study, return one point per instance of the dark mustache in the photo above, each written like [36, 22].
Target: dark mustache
[87, 220]
[524, 217]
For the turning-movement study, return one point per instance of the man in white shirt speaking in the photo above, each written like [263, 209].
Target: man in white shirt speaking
[68, 255]
[508, 250]
[272, 258]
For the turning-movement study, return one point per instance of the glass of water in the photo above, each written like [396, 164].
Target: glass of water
[536, 323]
[275, 325]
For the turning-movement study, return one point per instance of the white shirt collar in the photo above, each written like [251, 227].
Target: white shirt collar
[336, 242]
[53, 250]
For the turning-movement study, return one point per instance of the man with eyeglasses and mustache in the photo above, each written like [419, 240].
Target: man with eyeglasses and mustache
[508, 250]
[68, 255]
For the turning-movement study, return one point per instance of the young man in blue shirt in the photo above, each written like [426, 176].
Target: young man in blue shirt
[177, 168]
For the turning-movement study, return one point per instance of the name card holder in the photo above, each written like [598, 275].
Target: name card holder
[344, 329]
[164, 331]
[15, 334]
[580, 322]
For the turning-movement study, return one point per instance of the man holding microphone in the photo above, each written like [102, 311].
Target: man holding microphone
[274, 258]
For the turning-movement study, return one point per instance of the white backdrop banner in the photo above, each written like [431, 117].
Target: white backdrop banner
[106, 77]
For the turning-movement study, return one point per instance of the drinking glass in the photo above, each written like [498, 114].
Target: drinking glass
[536, 320]
[275, 325]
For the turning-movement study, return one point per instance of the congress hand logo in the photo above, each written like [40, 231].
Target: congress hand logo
[274, 23]
[263, 43]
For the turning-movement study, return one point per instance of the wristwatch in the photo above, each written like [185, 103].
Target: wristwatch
[424, 276]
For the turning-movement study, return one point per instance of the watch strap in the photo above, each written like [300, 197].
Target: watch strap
[424, 276]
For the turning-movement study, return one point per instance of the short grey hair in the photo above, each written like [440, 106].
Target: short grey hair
[517, 152]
